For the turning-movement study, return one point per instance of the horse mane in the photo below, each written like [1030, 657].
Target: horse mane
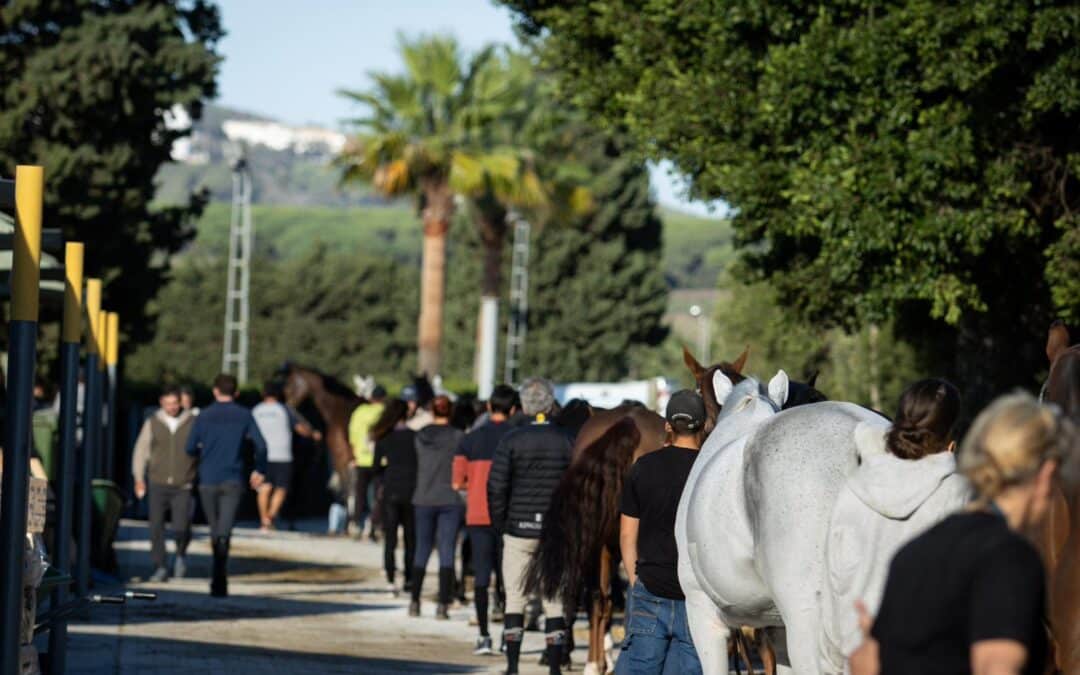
[566, 560]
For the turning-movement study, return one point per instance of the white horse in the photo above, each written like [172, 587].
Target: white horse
[753, 519]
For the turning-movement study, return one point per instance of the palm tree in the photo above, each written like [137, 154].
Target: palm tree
[407, 144]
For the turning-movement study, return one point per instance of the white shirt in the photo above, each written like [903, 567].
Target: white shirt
[275, 423]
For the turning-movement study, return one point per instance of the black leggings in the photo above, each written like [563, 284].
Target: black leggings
[398, 513]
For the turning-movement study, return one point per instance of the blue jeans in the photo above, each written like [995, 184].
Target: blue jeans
[658, 638]
[437, 526]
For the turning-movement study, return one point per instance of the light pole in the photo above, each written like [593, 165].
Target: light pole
[703, 332]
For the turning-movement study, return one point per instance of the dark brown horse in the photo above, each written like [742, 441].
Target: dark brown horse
[579, 545]
[1060, 538]
[335, 403]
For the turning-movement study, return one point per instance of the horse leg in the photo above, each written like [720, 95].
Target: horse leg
[708, 631]
[607, 607]
[597, 663]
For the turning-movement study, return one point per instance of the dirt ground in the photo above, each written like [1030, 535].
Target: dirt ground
[299, 603]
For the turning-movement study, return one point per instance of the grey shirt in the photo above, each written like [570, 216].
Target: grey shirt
[435, 447]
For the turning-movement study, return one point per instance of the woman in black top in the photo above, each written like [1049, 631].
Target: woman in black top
[968, 596]
[395, 460]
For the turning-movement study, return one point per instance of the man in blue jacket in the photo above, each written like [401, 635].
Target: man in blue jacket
[217, 439]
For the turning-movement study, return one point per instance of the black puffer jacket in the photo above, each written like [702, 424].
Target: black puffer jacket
[527, 467]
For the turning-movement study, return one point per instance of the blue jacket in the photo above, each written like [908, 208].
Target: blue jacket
[217, 439]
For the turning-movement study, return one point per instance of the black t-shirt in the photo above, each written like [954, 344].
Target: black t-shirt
[395, 457]
[651, 494]
[968, 579]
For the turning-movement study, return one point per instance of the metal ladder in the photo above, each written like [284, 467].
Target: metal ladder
[237, 290]
[517, 325]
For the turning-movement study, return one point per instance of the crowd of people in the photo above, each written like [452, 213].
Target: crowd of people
[965, 589]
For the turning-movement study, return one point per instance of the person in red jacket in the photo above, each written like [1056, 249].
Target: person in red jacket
[472, 464]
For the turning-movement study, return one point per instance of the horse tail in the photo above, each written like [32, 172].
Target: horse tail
[583, 517]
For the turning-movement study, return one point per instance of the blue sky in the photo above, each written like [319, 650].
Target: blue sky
[286, 59]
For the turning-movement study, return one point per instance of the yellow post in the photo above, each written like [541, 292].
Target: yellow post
[26, 261]
[93, 308]
[103, 344]
[112, 338]
[73, 292]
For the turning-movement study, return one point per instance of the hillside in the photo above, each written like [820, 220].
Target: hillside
[695, 249]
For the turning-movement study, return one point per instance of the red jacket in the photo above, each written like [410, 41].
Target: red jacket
[472, 464]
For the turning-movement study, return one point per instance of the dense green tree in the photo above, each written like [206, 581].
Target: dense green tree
[910, 160]
[85, 87]
[344, 314]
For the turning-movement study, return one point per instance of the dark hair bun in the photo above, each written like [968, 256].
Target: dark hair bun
[925, 422]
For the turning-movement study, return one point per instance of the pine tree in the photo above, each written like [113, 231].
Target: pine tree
[85, 87]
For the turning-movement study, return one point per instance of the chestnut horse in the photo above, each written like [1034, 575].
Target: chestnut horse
[1060, 539]
[335, 403]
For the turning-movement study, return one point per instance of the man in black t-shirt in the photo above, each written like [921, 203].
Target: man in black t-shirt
[657, 630]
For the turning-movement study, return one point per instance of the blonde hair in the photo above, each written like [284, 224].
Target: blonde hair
[1010, 441]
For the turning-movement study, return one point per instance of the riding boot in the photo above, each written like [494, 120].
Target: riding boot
[417, 583]
[513, 632]
[446, 591]
[555, 628]
[219, 585]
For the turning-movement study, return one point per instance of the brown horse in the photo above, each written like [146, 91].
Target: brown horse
[1059, 541]
[335, 403]
[579, 545]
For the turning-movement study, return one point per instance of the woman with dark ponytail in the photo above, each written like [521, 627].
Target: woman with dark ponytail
[906, 482]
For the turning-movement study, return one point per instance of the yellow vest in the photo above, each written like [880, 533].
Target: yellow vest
[363, 419]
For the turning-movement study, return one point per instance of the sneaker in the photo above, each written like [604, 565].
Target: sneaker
[180, 567]
[442, 612]
[483, 646]
[159, 575]
[414, 608]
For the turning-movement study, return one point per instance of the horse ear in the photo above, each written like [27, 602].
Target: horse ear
[1057, 341]
[695, 368]
[778, 388]
[740, 362]
[812, 380]
[722, 386]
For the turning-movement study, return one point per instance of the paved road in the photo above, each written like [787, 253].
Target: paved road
[299, 603]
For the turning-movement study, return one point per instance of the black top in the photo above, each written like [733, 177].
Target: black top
[651, 494]
[967, 579]
[395, 458]
[528, 465]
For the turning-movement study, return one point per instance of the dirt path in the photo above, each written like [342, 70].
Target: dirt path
[299, 603]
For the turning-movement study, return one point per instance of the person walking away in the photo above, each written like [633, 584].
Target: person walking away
[969, 594]
[217, 440]
[906, 482]
[529, 463]
[657, 632]
[438, 507]
[419, 405]
[472, 465]
[360, 422]
[159, 460]
[395, 461]
[277, 423]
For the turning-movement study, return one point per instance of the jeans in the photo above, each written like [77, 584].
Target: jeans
[398, 512]
[176, 500]
[658, 638]
[220, 503]
[437, 526]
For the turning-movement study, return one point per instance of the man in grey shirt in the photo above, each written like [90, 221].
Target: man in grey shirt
[276, 423]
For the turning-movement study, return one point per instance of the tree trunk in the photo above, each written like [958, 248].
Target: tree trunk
[491, 221]
[437, 212]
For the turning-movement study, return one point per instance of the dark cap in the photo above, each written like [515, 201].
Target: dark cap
[686, 406]
[408, 393]
[379, 392]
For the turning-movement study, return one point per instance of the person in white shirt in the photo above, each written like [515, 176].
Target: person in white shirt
[905, 484]
[276, 423]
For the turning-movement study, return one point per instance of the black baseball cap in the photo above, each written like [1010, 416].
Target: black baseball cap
[687, 406]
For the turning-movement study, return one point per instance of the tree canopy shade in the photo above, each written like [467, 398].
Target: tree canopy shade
[908, 159]
[85, 86]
